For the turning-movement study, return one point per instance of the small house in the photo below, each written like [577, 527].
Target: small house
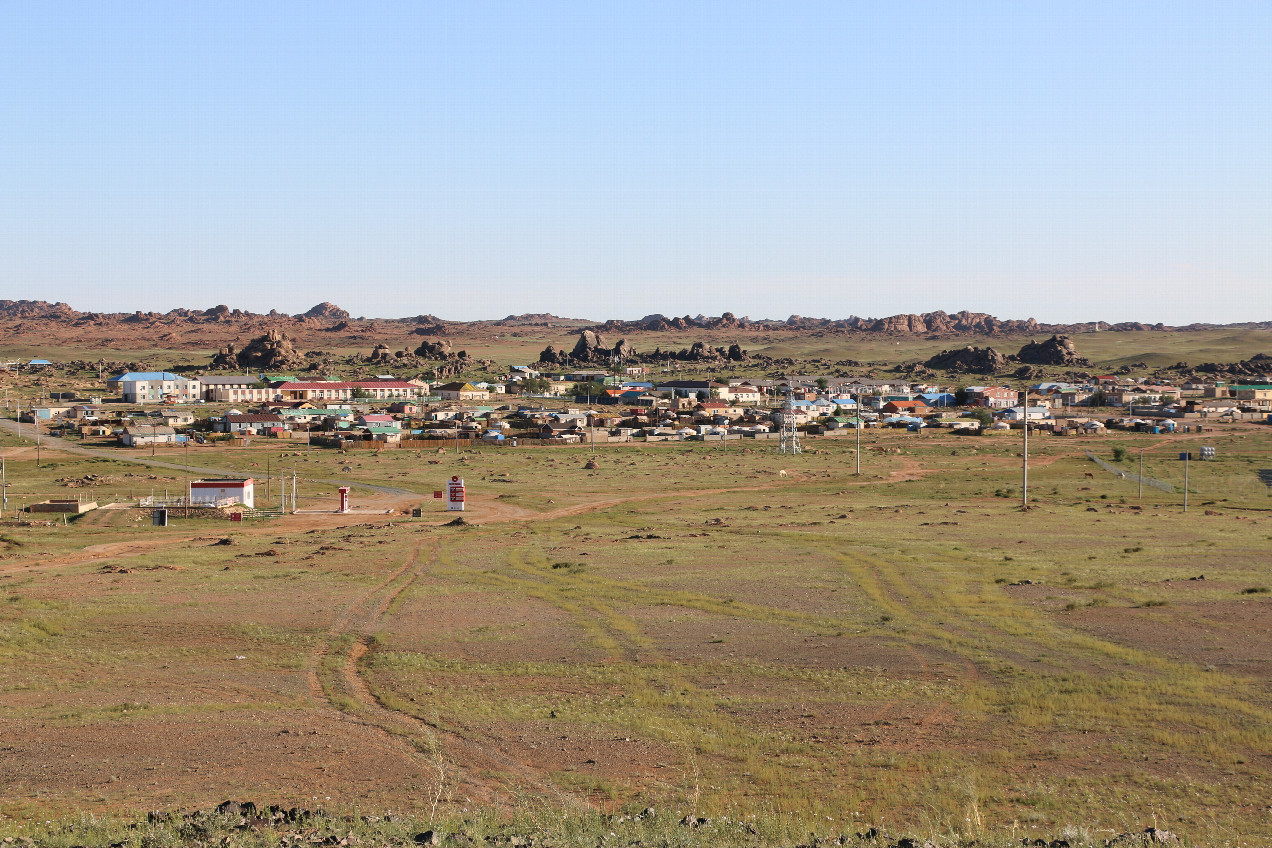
[223, 492]
[255, 423]
[140, 435]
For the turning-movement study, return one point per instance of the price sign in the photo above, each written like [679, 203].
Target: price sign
[455, 495]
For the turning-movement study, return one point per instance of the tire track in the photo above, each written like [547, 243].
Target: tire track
[438, 749]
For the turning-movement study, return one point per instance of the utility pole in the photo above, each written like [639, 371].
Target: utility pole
[4, 487]
[860, 421]
[1140, 494]
[1024, 464]
[1186, 482]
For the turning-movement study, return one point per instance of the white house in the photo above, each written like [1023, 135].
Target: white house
[741, 393]
[176, 417]
[223, 492]
[156, 387]
[1030, 413]
[138, 435]
[252, 423]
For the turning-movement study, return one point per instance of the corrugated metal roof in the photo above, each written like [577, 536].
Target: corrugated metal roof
[361, 384]
[233, 380]
[254, 418]
[136, 376]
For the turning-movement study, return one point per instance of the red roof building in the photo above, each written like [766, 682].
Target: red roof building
[898, 406]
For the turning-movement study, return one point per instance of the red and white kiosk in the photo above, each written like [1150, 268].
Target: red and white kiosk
[344, 499]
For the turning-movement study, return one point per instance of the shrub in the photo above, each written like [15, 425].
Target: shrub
[1119, 454]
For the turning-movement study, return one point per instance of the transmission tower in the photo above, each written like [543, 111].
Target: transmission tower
[788, 437]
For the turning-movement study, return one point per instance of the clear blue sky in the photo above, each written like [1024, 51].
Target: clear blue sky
[1066, 161]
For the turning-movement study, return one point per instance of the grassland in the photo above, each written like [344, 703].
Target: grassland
[520, 345]
[683, 627]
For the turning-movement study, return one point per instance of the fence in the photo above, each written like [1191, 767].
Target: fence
[263, 512]
[1131, 475]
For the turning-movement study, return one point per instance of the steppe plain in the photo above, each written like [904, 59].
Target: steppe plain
[711, 630]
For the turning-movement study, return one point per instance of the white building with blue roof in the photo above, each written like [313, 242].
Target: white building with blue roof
[156, 387]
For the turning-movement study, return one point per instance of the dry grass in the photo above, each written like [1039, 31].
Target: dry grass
[826, 645]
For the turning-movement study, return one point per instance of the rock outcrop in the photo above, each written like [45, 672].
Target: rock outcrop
[440, 349]
[1057, 350]
[17, 309]
[699, 352]
[452, 363]
[1257, 367]
[271, 352]
[590, 349]
[969, 360]
[326, 310]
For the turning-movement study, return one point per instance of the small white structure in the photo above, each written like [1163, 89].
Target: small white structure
[223, 492]
[139, 435]
[1021, 413]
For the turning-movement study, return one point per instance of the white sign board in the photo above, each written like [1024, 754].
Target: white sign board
[455, 495]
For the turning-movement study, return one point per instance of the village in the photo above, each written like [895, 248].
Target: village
[645, 425]
[528, 408]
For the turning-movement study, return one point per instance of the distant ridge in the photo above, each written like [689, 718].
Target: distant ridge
[329, 316]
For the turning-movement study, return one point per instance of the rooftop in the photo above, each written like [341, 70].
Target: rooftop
[135, 376]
